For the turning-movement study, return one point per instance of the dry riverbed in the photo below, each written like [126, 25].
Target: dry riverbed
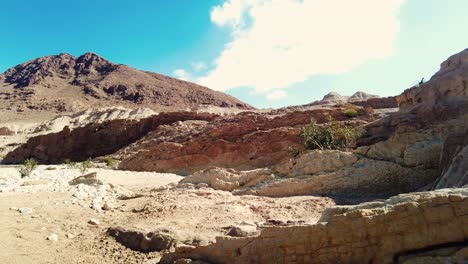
[44, 219]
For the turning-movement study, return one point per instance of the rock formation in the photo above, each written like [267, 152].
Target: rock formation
[398, 230]
[430, 130]
[359, 98]
[243, 142]
[162, 143]
[342, 175]
[94, 140]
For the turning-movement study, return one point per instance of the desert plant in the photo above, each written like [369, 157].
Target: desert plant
[85, 166]
[69, 163]
[28, 167]
[331, 135]
[351, 113]
[110, 162]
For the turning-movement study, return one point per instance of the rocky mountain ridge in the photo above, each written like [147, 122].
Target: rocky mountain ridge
[66, 83]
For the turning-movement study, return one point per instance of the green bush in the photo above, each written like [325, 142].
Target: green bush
[110, 162]
[69, 163]
[85, 166]
[351, 113]
[28, 167]
[331, 135]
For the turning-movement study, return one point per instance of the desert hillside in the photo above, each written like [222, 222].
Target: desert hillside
[64, 83]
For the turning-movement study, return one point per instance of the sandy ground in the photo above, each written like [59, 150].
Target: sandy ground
[64, 210]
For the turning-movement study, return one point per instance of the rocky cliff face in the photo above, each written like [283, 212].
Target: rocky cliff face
[441, 98]
[346, 176]
[448, 86]
[244, 141]
[430, 130]
[94, 140]
[67, 83]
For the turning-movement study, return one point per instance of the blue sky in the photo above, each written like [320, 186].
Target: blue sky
[269, 53]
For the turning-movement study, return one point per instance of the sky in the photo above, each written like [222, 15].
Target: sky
[268, 53]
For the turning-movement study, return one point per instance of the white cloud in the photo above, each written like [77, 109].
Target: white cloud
[277, 43]
[198, 66]
[276, 95]
[181, 74]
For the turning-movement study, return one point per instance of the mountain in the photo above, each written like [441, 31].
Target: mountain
[64, 83]
[334, 97]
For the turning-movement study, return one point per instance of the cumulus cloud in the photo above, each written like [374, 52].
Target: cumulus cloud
[276, 95]
[277, 43]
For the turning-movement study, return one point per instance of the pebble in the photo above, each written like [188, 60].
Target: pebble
[25, 210]
[53, 237]
[70, 236]
[94, 222]
[108, 206]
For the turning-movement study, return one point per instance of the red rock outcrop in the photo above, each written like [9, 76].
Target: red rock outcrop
[378, 103]
[245, 141]
[95, 139]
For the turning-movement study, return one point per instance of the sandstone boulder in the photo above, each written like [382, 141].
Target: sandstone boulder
[317, 161]
[228, 179]
[140, 241]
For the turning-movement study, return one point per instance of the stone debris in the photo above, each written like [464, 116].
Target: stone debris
[94, 222]
[25, 210]
[87, 190]
[88, 179]
[243, 231]
[141, 241]
[53, 237]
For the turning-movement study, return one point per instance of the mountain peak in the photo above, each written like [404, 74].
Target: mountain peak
[334, 96]
[91, 79]
[90, 56]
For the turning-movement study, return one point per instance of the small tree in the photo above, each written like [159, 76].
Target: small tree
[28, 167]
[331, 135]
